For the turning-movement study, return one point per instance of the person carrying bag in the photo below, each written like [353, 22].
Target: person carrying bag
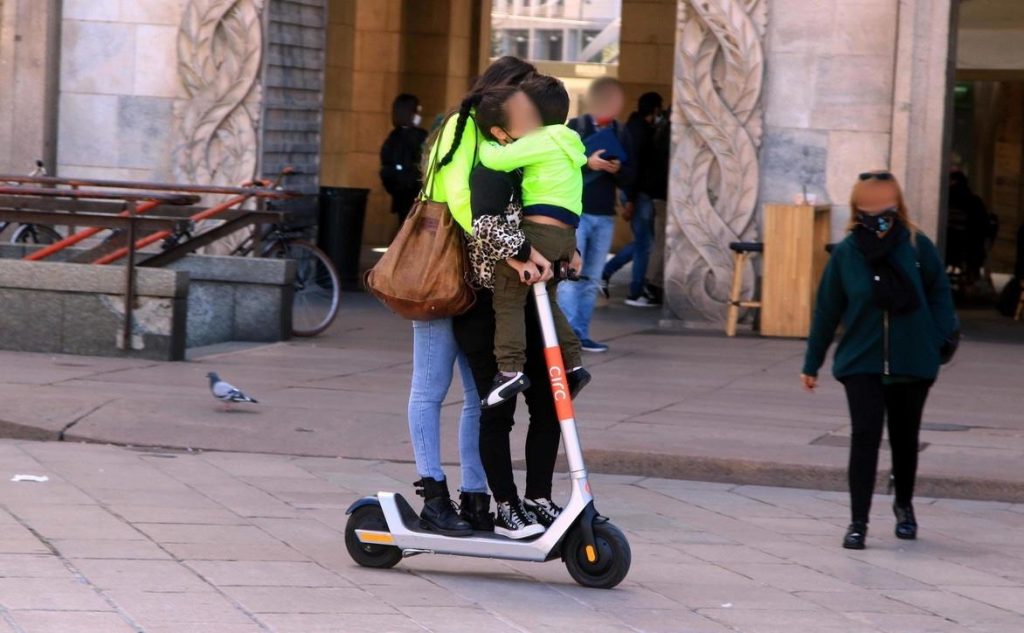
[422, 276]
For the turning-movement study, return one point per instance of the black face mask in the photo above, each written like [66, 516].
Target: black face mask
[512, 139]
[878, 223]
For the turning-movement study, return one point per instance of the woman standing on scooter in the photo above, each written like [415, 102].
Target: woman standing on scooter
[450, 160]
[888, 287]
[497, 196]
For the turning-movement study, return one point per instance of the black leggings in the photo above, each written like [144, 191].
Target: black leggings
[871, 404]
[474, 332]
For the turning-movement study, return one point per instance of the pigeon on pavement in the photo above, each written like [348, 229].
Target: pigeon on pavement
[226, 392]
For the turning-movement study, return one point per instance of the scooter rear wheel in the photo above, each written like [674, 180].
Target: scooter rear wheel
[613, 557]
[369, 554]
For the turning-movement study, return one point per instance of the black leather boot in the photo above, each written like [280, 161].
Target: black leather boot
[475, 509]
[856, 534]
[906, 522]
[439, 513]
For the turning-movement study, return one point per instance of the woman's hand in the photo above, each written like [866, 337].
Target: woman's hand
[809, 382]
[547, 270]
[528, 271]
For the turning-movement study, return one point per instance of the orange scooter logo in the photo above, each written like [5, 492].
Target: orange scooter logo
[559, 388]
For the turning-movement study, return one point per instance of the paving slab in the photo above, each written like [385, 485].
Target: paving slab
[707, 558]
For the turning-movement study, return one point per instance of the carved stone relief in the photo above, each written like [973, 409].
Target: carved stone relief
[220, 49]
[717, 123]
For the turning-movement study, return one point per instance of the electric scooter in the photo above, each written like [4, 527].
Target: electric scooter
[382, 529]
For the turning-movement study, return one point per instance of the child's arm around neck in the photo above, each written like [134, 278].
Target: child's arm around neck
[527, 150]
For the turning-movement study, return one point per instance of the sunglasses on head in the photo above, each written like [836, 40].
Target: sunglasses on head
[876, 175]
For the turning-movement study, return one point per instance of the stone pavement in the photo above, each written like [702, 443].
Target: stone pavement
[663, 403]
[157, 541]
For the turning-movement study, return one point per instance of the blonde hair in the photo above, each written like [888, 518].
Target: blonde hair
[861, 187]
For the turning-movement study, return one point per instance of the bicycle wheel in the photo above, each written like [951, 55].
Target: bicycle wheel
[35, 234]
[317, 287]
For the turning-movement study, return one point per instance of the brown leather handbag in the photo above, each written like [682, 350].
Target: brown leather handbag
[422, 276]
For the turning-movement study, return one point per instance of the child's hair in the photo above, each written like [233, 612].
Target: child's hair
[490, 110]
[549, 96]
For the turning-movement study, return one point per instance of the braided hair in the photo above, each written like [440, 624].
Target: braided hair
[465, 108]
[505, 71]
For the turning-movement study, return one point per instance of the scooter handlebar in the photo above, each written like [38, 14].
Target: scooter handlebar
[563, 271]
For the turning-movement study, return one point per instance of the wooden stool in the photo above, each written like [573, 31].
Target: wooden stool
[740, 252]
[1020, 303]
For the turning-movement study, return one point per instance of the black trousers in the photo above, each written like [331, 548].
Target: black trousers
[872, 403]
[474, 332]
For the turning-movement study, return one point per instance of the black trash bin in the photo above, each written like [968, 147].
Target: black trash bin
[340, 230]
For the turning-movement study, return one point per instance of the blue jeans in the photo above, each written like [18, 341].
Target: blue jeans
[577, 298]
[434, 354]
[639, 250]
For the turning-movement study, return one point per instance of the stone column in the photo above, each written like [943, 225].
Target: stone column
[921, 126]
[717, 126]
[29, 60]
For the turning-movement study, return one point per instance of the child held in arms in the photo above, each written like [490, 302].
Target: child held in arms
[550, 156]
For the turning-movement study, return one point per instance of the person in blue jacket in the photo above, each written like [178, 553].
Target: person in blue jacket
[887, 286]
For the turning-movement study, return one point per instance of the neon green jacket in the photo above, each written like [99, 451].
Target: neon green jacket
[551, 158]
[452, 182]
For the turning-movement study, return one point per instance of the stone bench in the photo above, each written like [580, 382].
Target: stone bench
[237, 298]
[58, 307]
[62, 308]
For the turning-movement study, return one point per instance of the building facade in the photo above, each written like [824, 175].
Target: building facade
[769, 98]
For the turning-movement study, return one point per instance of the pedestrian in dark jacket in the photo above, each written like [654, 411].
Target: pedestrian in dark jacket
[640, 197]
[401, 154]
[601, 178]
[887, 286]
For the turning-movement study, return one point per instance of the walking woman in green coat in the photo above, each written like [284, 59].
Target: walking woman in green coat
[887, 286]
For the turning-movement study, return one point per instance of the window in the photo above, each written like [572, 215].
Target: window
[548, 45]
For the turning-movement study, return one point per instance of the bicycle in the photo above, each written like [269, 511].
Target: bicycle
[317, 284]
[33, 233]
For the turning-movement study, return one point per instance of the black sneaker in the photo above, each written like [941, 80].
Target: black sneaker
[641, 301]
[512, 521]
[590, 345]
[654, 294]
[578, 378]
[505, 387]
[604, 285]
[543, 511]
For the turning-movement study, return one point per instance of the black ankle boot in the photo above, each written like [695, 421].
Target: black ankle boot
[906, 522]
[855, 535]
[475, 509]
[439, 513]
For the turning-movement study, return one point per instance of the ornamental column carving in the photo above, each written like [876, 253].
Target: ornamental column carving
[220, 53]
[717, 121]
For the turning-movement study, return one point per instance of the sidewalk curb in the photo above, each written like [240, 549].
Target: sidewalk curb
[16, 431]
[757, 473]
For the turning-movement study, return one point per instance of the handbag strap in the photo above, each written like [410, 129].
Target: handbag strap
[433, 169]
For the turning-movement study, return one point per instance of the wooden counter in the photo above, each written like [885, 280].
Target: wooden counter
[794, 258]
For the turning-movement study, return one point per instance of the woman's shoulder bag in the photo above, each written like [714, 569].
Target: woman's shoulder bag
[422, 276]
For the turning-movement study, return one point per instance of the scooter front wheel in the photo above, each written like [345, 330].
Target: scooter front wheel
[613, 557]
[370, 554]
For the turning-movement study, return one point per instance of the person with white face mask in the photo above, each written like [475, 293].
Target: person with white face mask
[401, 154]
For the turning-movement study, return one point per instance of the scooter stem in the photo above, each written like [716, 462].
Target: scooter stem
[559, 385]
